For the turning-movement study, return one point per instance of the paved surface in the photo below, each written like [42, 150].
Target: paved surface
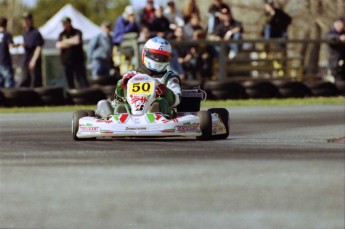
[276, 170]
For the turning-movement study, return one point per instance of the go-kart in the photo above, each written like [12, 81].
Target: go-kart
[186, 120]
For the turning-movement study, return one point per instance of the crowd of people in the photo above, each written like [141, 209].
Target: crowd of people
[171, 23]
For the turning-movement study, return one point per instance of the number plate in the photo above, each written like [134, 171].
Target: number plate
[141, 88]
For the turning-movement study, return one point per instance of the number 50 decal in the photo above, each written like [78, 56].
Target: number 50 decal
[141, 88]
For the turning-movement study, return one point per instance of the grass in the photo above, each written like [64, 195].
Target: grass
[218, 103]
[277, 102]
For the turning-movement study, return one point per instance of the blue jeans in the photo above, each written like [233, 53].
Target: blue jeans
[6, 76]
[100, 67]
[236, 37]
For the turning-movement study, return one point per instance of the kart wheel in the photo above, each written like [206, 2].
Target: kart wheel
[205, 125]
[225, 118]
[90, 113]
[75, 124]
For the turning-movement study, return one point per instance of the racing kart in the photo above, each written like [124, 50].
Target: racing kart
[187, 120]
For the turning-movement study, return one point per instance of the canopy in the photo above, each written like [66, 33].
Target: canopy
[51, 29]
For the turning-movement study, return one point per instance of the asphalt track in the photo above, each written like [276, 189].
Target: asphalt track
[276, 170]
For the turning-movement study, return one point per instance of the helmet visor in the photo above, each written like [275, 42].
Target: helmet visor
[158, 56]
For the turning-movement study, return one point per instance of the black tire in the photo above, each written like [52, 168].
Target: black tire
[51, 96]
[109, 91]
[205, 126]
[190, 84]
[75, 124]
[261, 89]
[102, 81]
[324, 89]
[2, 99]
[225, 117]
[86, 96]
[340, 84]
[225, 90]
[20, 97]
[48, 100]
[294, 90]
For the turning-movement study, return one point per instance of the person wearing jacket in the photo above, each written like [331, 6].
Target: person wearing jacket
[336, 59]
[124, 24]
[100, 52]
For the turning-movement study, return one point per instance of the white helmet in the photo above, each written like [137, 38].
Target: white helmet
[156, 54]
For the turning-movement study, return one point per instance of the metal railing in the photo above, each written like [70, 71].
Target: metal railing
[293, 59]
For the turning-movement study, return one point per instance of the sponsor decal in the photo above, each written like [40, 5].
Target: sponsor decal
[105, 121]
[88, 128]
[168, 131]
[150, 117]
[188, 127]
[87, 124]
[123, 117]
[172, 120]
[158, 116]
[106, 131]
[140, 78]
[139, 102]
[135, 128]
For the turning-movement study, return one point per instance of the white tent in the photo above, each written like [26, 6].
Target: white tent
[51, 29]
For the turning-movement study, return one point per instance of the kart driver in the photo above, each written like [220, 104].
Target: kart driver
[156, 56]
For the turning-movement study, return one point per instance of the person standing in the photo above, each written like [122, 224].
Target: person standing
[6, 42]
[336, 59]
[100, 52]
[72, 56]
[33, 45]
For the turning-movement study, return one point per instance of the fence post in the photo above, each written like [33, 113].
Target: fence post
[222, 62]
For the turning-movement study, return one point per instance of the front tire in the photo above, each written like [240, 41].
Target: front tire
[75, 123]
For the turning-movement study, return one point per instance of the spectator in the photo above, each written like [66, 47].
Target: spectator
[193, 25]
[147, 14]
[144, 34]
[70, 42]
[160, 24]
[190, 9]
[215, 13]
[336, 57]
[100, 52]
[229, 29]
[6, 42]
[33, 44]
[179, 51]
[205, 56]
[173, 15]
[198, 62]
[124, 24]
[277, 22]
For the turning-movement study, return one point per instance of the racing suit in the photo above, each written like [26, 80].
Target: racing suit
[166, 101]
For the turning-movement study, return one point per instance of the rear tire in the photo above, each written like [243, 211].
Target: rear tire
[225, 118]
[205, 126]
[75, 123]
